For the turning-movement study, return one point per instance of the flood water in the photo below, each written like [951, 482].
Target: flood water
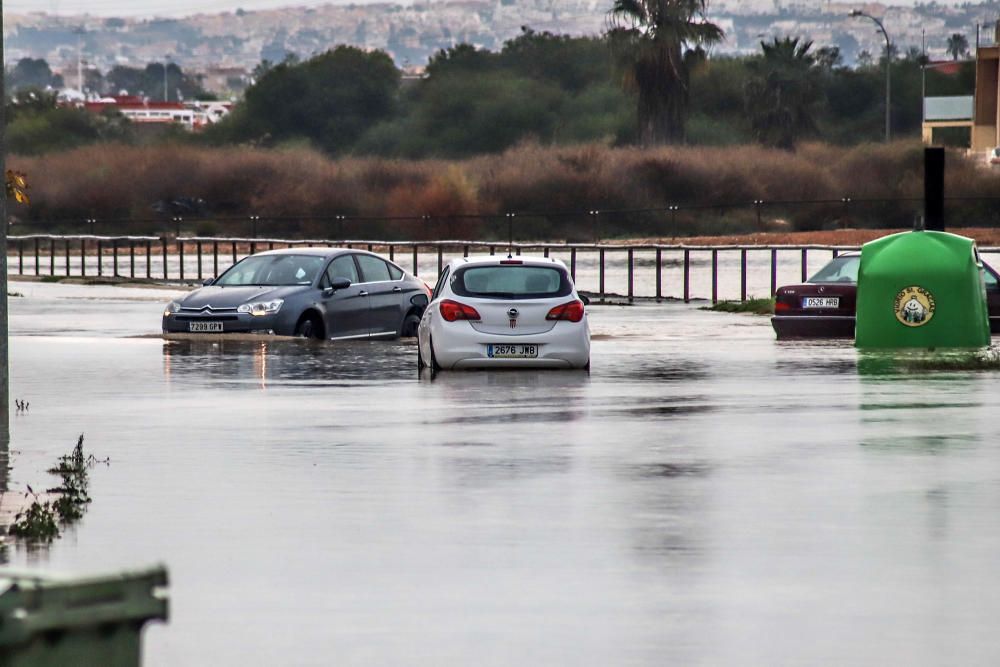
[706, 495]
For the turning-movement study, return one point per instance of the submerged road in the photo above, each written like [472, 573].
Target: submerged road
[706, 495]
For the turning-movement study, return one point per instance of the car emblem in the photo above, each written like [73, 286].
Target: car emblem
[822, 289]
[512, 315]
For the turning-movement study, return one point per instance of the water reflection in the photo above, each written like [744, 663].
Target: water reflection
[265, 364]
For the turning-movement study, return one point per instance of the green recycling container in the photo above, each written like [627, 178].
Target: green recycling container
[92, 622]
[921, 289]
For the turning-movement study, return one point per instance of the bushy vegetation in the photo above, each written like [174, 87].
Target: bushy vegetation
[752, 306]
[122, 181]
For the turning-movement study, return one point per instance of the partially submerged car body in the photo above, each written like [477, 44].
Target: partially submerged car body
[329, 293]
[825, 305]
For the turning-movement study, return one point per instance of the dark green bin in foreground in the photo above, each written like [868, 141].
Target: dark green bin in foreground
[921, 289]
[87, 622]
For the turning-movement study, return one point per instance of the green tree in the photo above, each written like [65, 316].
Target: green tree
[651, 36]
[958, 45]
[782, 92]
[32, 73]
[36, 124]
[329, 100]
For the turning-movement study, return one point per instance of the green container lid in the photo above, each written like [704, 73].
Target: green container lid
[921, 289]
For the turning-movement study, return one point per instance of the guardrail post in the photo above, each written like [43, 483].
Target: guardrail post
[37, 269]
[149, 258]
[687, 276]
[166, 271]
[180, 257]
[20, 257]
[100, 258]
[715, 276]
[465, 251]
[440, 258]
[83, 257]
[743, 274]
[114, 255]
[415, 267]
[600, 254]
[774, 271]
[198, 248]
[234, 252]
[572, 264]
[392, 252]
[631, 274]
[131, 258]
[67, 258]
[215, 259]
[659, 274]
[805, 265]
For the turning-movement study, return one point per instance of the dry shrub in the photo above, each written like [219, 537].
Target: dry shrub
[110, 181]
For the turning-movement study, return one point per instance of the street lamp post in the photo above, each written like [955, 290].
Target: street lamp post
[888, 70]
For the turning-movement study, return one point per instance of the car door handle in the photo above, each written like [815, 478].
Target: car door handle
[362, 293]
[397, 288]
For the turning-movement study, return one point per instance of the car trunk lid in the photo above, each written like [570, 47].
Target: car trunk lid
[512, 317]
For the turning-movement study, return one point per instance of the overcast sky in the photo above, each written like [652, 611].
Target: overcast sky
[185, 7]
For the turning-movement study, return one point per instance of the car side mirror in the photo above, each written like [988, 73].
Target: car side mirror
[585, 299]
[207, 281]
[419, 300]
[336, 284]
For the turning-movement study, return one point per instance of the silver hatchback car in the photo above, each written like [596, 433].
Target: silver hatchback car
[325, 293]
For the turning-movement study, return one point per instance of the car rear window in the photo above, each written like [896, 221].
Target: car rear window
[511, 282]
[840, 270]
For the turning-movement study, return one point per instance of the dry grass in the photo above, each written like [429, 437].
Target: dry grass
[112, 181]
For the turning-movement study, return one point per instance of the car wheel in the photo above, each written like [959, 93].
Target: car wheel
[435, 366]
[408, 329]
[309, 327]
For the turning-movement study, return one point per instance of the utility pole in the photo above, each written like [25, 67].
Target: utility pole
[166, 62]
[4, 331]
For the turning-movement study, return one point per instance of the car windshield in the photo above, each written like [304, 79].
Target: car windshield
[841, 270]
[511, 282]
[273, 270]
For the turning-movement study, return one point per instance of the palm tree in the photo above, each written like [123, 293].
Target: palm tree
[651, 36]
[782, 91]
[958, 45]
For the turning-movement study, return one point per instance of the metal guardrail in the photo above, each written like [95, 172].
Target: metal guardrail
[192, 258]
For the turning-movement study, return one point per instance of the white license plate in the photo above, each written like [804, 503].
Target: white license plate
[205, 327]
[500, 351]
[821, 302]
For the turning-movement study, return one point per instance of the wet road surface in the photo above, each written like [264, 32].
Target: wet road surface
[705, 495]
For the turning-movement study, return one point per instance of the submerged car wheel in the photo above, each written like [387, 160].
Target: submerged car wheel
[420, 359]
[309, 327]
[408, 329]
[435, 366]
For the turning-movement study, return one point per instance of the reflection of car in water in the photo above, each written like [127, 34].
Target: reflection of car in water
[326, 293]
[824, 306]
[993, 157]
[515, 312]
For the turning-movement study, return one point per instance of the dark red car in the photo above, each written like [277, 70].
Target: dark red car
[823, 307]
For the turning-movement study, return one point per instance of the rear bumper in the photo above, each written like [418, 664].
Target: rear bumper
[566, 345]
[813, 326]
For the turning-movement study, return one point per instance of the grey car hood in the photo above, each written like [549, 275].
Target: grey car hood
[231, 297]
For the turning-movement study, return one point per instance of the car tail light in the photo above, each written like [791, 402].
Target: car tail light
[781, 306]
[572, 311]
[510, 261]
[453, 310]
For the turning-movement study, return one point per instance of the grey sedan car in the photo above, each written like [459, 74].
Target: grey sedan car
[326, 293]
